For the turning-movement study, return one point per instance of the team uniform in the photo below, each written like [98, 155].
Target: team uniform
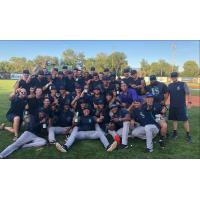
[148, 127]
[177, 109]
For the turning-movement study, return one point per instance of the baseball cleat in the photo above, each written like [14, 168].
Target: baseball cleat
[148, 150]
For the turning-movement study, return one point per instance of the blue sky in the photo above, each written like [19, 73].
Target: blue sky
[134, 50]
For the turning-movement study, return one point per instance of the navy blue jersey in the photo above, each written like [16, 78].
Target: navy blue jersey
[17, 106]
[178, 91]
[23, 84]
[70, 84]
[86, 123]
[95, 84]
[158, 89]
[156, 108]
[143, 117]
[121, 113]
[65, 118]
[35, 82]
[57, 82]
[34, 104]
[128, 80]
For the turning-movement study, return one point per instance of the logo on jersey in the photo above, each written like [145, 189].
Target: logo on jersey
[178, 88]
[155, 91]
[142, 115]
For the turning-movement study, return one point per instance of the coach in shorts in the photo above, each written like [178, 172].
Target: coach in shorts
[178, 92]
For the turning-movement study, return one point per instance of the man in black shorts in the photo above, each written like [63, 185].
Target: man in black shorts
[178, 92]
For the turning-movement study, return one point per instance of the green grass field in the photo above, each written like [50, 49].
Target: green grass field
[94, 149]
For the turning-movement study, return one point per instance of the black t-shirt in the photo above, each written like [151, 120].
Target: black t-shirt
[65, 118]
[86, 123]
[70, 84]
[143, 117]
[158, 90]
[128, 80]
[17, 106]
[80, 81]
[23, 84]
[34, 104]
[57, 82]
[110, 88]
[35, 82]
[178, 91]
[62, 100]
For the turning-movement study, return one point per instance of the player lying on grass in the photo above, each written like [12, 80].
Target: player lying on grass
[32, 137]
[85, 129]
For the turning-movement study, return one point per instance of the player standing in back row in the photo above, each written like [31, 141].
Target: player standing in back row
[178, 92]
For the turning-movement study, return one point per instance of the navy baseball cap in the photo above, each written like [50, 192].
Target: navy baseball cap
[149, 95]
[113, 106]
[105, 78]
[126, 70]
[65, 67]
[26, 71]
[174, 74]
[97, 88]
[41, 72]
[152, 78]
[88, 107]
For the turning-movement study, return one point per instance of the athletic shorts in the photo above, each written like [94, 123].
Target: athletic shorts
[10, 117]
[178, 113]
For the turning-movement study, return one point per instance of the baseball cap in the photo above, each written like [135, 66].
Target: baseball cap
[88, 107]
[52, 87]
[126, 70]
[152, 78]
[97, 88]
[149, 95]
[113, 106]
[133, 72]
[106, 69]
[26, 71]
[174, 74]
[105, 78]
[65, 67]
[41, 73]
[95, 74]
[77, 86]
[60, 73]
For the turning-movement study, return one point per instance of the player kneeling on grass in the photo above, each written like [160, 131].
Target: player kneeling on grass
[32, 137]
[85, 129]
[119, 125]
[63, 124]
[15, 113]
[148, 127]
[158, 111]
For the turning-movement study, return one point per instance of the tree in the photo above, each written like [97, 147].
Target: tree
[191, 69]
[117, 62]
[42, 60]
[5, 66]
[71, 58]
[145, 68]
[101, 62]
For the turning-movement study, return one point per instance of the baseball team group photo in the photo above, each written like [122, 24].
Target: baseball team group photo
[99, 99]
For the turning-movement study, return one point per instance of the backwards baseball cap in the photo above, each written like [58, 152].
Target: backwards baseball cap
[26, 71]
[152, 78]
[174, 75]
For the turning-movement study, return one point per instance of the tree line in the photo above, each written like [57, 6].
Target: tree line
[115, 61]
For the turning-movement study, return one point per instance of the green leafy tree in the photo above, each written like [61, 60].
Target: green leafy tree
[42, 60]
[191, 69]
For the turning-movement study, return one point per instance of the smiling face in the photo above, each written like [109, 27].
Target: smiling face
[23, 93]
[86, 112]
[149, 101]
[124, 87]
[46, 102]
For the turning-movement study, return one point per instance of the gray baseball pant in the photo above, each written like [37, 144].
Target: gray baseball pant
[27, 139]
[54, 131]
[147, 132]
[122, 132]
[82, 135]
